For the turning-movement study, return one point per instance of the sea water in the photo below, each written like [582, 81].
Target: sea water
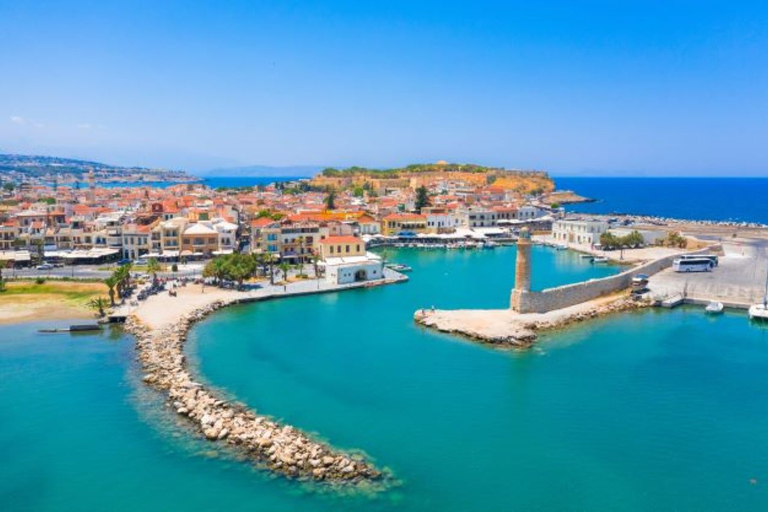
[654, 410]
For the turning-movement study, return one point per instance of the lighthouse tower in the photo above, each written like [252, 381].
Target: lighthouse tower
[522, 270]
[91, 185]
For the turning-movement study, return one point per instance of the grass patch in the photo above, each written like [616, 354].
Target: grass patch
[71, 291]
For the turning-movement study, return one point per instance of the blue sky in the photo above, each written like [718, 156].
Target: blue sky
[587, 87]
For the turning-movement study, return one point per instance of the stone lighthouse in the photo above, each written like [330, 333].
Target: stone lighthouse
[522, 271]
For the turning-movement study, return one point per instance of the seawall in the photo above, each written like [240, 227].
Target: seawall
[577, 293]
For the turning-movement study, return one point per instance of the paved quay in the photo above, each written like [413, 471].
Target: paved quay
[738, 280]
[505, 328]
[160, 325]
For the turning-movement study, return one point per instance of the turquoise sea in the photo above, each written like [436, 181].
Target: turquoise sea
[656, 410]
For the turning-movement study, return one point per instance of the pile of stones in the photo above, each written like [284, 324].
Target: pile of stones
[281, 448]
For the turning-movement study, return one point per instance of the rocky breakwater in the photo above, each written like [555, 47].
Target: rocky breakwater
[280, 448]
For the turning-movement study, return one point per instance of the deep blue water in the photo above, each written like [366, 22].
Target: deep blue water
[723, 199]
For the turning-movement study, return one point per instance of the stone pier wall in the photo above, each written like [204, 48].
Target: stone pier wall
[572, 294]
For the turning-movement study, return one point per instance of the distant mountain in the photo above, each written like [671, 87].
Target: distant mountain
[291, 171]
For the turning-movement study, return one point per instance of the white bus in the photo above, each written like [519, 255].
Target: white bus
[712, 257]
[693, 265]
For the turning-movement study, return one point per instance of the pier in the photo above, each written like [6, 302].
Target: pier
[738, 281]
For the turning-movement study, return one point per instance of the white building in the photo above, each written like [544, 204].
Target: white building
[582, 232]
[345, 260]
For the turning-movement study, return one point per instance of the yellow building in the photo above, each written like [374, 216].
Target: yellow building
[396, 223]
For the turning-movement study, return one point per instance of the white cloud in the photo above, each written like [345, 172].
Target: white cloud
[85, 126]
[18, 120]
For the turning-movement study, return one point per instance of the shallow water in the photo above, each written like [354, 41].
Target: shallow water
[652, 410]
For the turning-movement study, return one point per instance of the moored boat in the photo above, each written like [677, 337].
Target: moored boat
[714, 308]
[600, 259]
[758, 312]
[399, 267]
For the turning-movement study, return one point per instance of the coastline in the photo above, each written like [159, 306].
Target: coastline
[160, 336]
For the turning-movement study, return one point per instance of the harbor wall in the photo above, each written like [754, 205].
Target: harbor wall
[577, 293]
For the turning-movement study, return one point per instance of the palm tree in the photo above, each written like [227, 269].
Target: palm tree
[315, 261]
[284, 267]
[153, 267]
[111, 283]
[271, 260]
[99, 304]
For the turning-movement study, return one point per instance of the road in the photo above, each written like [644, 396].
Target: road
[97, 272]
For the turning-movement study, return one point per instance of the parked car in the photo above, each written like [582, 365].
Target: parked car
[141, 261]
[45, 266]
[124, 261]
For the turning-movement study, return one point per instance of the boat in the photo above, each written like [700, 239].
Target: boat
[587, 257]
[714, 308]
[561, 247]
[760, 311]
[398, 267]
[599, 259]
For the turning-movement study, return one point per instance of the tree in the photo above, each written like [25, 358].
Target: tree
[9, 186]
[153, 267]
[675, 239]
[122, 275]
[99, 304]
[609, 240]
[315, 264]
[330, 199]
[358, 191]
[422, 198]
[271, 260]
[111, 283]
[284, 267]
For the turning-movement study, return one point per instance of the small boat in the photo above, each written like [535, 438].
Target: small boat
[587, 257]
[714, 308]
[561, 247]
[599, 259]
[758, 312]
[399, 267]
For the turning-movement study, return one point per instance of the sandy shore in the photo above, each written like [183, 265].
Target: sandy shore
[25, 301]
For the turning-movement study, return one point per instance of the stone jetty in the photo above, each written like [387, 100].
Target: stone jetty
[505, 328]
[280, 448]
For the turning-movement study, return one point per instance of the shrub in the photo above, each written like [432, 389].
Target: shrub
[174, 268]
[40, 280]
